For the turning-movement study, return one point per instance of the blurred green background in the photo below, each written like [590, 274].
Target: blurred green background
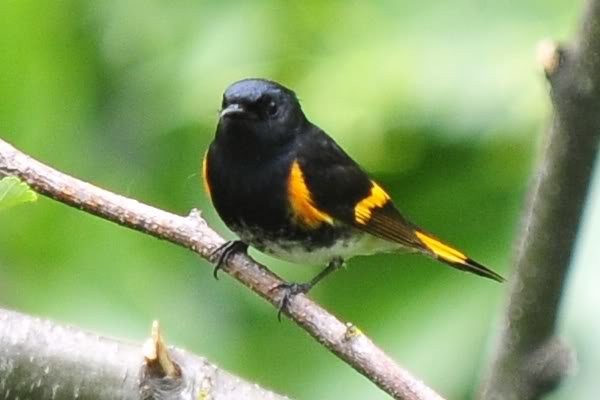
[442, 101]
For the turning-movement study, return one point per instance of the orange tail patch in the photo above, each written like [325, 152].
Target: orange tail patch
[455, 258]
[301, 202]
[441, 250]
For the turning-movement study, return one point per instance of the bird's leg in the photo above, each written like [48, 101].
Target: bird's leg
[333, 265]
[224, 251]
[291, 289]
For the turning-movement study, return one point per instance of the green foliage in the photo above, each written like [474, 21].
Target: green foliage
[14, 192]
[441, 101]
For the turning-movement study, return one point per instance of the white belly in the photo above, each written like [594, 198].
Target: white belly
[361, 244]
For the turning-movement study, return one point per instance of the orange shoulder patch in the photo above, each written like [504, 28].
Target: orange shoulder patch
[204, 173]
[377, 198]
[301, 203]
[441, 250]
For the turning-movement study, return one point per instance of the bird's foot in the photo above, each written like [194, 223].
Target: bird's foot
[289, 290]
[224, 251]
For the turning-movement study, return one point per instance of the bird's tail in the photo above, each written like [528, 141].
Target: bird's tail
[454, 258]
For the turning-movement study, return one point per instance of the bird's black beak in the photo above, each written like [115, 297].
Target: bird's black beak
[235, 110]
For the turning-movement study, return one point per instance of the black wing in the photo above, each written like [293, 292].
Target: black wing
[339, 187]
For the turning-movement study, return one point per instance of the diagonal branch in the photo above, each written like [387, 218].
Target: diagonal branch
[192, 232]
[40, 359]
[529, 359]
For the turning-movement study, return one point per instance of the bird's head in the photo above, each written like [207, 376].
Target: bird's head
[261, 113]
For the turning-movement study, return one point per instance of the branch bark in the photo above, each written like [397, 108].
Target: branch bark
[530, 360]
[43, 360]
[192, 232]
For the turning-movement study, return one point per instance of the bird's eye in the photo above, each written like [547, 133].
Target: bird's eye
[272, 108]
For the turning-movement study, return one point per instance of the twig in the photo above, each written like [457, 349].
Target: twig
[192, 232]
[530, 360]
[43, 360]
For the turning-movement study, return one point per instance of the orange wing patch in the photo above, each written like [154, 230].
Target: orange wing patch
[301, 202]
[377, 198]
[205, 174]
[441, 250]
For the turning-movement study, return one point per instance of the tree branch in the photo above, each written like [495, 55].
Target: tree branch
[530, 360]
[41, 360]
[192, 232]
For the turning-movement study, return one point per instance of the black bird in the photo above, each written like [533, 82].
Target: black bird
[286, 188]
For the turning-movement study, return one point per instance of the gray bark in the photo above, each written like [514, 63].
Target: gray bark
[40, 359]
[530, 359]
[192, 232]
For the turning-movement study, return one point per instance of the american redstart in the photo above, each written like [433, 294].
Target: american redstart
[286, 188]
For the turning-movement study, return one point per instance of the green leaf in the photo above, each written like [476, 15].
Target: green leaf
[14, 192]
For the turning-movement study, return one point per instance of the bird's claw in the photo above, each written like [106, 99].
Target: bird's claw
[289, 290]
[224, 251]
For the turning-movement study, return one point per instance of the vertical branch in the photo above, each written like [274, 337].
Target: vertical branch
[530, 360]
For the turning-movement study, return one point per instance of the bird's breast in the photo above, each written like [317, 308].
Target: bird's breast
[248, 191]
